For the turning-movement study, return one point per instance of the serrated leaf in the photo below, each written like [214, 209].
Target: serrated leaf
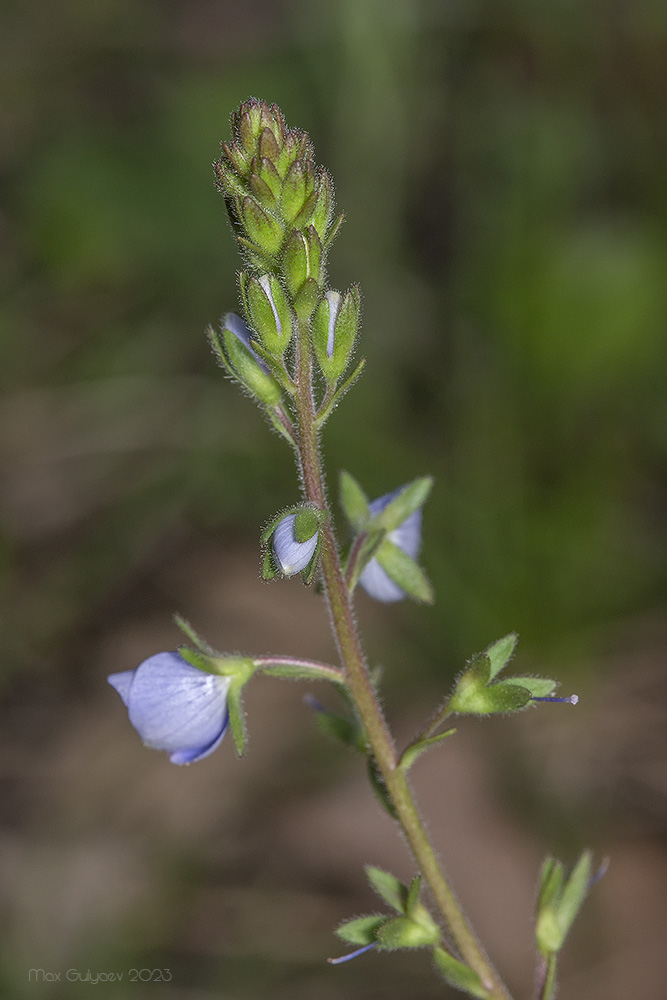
[500, 652]
[459, 975]
[388, 887]
[405, 572]
[361, 930]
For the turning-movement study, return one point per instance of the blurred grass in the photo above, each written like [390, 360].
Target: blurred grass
[501, 167]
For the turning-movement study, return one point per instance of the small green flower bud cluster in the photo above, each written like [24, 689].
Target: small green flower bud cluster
[281, 206]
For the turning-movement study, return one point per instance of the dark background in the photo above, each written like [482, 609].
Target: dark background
[502, 169]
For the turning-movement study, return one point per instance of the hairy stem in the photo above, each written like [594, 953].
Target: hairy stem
[381, 744]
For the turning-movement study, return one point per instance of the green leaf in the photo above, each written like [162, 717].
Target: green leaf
[388, 887]
[361, 930]
[353, 501]
[458, 975]
[405, 572]
[410, 499]
[415, 750]
[501, 652]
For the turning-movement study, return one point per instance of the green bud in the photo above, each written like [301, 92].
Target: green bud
[560, 901]
[306, 299]
[269, 312]
[403, 932]
[302, 259]
[334, 329]
[474, 695]
[294, 192]
[324, 205]
[244, 366]
[262, 228]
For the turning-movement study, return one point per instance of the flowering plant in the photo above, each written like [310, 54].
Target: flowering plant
[292, 352]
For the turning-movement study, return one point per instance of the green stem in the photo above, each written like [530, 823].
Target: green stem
[545, 988]
[314, 669]
[352, 657]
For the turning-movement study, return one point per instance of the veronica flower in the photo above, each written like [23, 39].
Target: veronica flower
[374, 579]
[174, 706]
[292, 556]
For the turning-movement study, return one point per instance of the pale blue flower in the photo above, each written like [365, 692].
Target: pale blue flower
[292, 556]
[174, 706]
[375, 581]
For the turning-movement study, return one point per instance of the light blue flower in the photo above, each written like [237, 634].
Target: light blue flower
[238, 326]
[374, 579]
[174, 706]
[292, 556]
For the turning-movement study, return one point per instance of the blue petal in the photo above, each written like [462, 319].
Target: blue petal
[174, 706]
[378, 584]
[292, 556]
[374, 579]
[122, 683]
[242, 332]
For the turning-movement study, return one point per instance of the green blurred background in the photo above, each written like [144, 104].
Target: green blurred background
[502, 170]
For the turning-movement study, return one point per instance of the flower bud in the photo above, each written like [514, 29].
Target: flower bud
[334, 329]
[174, 706]
[233, 349]
[269, 312]
[295, 540]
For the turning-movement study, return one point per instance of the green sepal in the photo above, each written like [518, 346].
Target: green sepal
[389, 888]
[305, 216]
[539, 687]
[227, 180]
[353, 501]
[261, 190]
[241, 365]
[324, 204]
[296, 261]
[341, 728]
[415, 750]
[403, 932]
[501, 652]
[308, 574]
[295, 190]
[411, 498]
[194, 636]
[308, 521]
[306, 299]
[413, 904]
[196, 659]
[268, 147]
[404, 571]
[361, 930]
[560, 901]
[276, 368]
[379, 787]
[369, 546]
[316, 512]
[261, 227]
[333, 232]
[459, 975]
[269, 568]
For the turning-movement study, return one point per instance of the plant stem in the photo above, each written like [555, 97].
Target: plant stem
[352, 658]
